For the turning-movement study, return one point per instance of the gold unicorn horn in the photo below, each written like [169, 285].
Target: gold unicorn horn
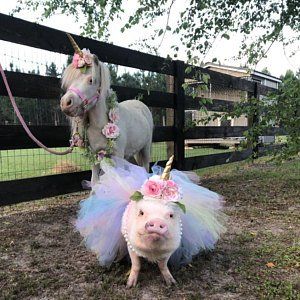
[166, 173]
[75, 46]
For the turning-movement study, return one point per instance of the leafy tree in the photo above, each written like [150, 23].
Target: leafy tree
[144, 80]
[199, 25]
[266, 71]
[289, 74]
[51, 70]
[280, 109]
[13, 68]
[37, 71]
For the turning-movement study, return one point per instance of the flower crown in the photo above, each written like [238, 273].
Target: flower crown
[161, 188]
[82, 59]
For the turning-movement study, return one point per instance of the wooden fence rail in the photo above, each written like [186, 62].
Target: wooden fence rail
[44, 88]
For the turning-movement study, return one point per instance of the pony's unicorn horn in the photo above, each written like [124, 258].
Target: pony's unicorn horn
[75, 46]
[166, 173]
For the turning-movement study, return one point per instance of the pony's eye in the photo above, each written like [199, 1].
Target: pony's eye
[90, 80]
[171, 215]
[141, 213]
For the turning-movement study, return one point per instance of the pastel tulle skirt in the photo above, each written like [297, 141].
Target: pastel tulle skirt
[100, 215]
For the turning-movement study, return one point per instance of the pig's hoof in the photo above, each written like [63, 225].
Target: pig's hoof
[132, 281]
[170, 280]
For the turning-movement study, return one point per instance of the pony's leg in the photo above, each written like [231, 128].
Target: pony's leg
[144, 156]
[95, 174]
[133, 160]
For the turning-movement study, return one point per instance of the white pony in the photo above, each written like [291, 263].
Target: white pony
[85, 99]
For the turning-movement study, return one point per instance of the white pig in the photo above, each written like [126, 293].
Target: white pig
[152, 229]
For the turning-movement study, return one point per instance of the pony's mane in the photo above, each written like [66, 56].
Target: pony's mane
[69, 75]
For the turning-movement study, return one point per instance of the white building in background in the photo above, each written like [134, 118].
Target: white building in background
[228, 94]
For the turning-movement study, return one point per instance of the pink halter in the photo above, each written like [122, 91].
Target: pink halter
[85, 100]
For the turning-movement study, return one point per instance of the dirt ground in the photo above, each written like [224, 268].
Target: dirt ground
[42, 257]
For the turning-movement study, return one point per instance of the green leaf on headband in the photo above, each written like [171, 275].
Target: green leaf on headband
[136, 196]
[181, 206]
[83, 69]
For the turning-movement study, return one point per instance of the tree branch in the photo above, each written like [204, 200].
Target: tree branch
[167, 24]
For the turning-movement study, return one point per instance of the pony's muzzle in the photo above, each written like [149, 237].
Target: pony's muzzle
[66, 104]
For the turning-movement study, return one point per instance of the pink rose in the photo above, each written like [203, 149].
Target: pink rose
[171, 183]
[114, 115]
[87, 56]
[77, 141]
[76, 57]
[101, 154]
[111, 131]
[171, 191]
[80, 62]
[152, 188]
[80, 143]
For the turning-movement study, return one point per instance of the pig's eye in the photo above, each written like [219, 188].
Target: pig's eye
[171, 215]
[141, 213]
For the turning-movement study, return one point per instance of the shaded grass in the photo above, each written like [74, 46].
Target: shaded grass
[42, 257]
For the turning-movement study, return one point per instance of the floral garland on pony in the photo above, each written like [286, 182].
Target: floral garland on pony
[111, 130]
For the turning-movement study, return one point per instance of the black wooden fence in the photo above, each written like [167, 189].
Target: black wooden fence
[35, 86]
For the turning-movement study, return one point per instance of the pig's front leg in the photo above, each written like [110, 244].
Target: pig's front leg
[135, 269]
[165, 271]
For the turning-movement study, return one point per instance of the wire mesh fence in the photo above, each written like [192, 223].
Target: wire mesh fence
[31, 60]
[16, 164]
[25, 163]
[34, 112]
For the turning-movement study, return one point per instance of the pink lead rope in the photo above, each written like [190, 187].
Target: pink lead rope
[13, 102]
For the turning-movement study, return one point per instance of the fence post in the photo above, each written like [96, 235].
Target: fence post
[255, 120]
[179, 114]
[170, 113]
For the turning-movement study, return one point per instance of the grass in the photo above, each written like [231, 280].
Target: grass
[24, 163]
[258, 257]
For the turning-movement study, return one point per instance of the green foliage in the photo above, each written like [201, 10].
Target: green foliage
[266, 71]
[181, 206]
[136, 196]
[141, 79]
[284, 111]
[199, 25]
[51, 70]
[278, 109]
[144, 80]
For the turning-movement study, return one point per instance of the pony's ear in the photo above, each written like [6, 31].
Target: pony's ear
[104, 80]
[95, 71]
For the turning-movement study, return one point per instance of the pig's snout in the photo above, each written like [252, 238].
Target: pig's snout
[156, 226]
